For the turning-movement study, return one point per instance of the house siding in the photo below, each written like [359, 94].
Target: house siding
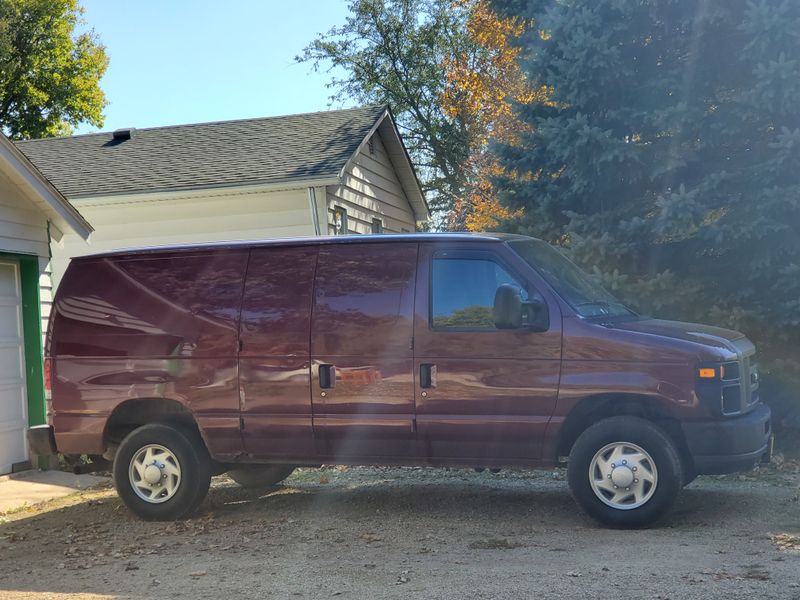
[370, 189]
[23, 230]
[128, 222]
[45, 293]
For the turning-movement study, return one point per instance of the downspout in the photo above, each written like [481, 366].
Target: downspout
[312, 205]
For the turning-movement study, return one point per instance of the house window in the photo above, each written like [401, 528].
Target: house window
[377, 226]
[339, 221]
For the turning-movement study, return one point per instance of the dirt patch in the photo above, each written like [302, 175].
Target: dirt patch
[494, 544]
[400, 533]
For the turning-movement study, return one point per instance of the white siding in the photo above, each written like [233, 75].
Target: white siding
[23, 230]
[45, 294]
[370, 189]
[202, 217]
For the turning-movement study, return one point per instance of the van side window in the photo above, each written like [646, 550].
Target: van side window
[167, 305]
[276, 308]
[364, 299]
[463, 290]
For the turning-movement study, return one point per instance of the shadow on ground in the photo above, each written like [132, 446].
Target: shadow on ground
[382, 533]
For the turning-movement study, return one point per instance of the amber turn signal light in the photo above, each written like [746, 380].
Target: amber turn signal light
[707, 373]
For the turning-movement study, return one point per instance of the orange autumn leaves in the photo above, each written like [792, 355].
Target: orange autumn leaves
[482, 86]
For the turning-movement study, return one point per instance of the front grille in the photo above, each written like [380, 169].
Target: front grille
[731, 399]
[739, 386]
[754, 383]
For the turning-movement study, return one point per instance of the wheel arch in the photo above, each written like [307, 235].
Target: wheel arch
[135, 412]
[594, 408]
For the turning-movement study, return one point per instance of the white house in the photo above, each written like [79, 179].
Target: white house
[324, 173]
[32, 213]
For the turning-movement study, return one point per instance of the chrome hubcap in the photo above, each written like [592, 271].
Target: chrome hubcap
[623, 475]
[154, 473]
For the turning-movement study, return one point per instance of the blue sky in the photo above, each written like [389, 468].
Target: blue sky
[188, 61]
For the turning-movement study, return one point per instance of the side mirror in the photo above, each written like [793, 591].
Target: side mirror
[511, 312]
[538, 315]
[507, 307]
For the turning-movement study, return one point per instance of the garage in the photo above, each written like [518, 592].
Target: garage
[33, 215]
[13, 409]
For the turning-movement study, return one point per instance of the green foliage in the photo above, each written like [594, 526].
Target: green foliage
[393, 52]
[478, 317]
[49, 75]
[669, 157]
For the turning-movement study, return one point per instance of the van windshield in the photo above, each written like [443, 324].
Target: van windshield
[571, 283]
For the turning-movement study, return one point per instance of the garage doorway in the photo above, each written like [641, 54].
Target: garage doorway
[13, 393]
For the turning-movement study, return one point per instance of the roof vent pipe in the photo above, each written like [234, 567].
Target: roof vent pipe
[123, 134]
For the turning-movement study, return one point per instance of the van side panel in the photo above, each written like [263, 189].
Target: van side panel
[148, 327]
[274, 360]
[362, 330]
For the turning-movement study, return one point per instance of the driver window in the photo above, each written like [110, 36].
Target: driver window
[462, 292]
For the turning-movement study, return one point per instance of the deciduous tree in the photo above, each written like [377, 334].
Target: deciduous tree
[483, 84]
[393, 52]
[49, 73]
[448, 71]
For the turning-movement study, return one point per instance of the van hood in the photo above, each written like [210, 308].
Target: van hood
[708, 335]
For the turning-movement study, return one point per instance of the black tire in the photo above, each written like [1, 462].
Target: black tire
[195, 471]
[650, 438]
[689, 474]
[260, 476]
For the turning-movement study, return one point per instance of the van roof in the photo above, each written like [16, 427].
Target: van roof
[313, 241]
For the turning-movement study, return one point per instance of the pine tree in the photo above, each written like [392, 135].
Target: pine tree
[668, 157]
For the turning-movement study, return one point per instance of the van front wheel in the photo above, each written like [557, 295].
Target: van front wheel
[162, 472]
[624, 471]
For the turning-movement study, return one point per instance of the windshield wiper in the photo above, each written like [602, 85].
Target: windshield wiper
[604, 305]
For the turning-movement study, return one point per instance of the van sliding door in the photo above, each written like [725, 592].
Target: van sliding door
[361, 350]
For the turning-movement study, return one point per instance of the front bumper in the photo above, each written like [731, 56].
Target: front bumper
[730, 445]
[41, 440]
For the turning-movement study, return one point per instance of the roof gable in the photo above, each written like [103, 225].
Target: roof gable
[40, 191]
[290, 148]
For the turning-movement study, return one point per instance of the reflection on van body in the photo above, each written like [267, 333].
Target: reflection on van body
[430, 349]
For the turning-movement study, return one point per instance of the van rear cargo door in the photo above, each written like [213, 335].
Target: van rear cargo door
[274, 362]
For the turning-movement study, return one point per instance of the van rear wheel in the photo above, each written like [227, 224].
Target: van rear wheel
[162, 472]
[624, 472]
[260, 476]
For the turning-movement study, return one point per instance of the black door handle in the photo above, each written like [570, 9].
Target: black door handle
[427, 375]
[327, 376]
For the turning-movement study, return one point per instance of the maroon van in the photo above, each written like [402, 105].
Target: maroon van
[424, 349]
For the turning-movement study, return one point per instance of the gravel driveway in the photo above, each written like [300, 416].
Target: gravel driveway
[400, 533]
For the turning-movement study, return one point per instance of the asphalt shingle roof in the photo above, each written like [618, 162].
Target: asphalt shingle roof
[249, 151]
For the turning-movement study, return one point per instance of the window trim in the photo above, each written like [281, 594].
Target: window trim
[345, 221]
[457, 254]
[379, 222]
